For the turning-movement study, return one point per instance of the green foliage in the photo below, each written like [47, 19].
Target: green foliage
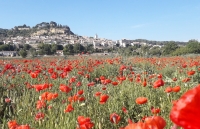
[193, 46]
[78, 48]
[47, 49]
[23, 53]
[33, 52]
[169, 48]
[155, 51]
[68, 50]
[7, 47]
[180, 51]
[26, 46]
[89, 48]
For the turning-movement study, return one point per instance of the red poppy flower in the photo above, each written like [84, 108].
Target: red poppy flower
[8, 66]
[190, 73]
[185, 112]
[65, 88]
[104, 88]
[91, 84]
[168, 89]
[81, 99]
[7, 100]
[39, 116]
[12, 124]
[124, 110]
[159, 75]
[80, 92]
[97, 94]
[122, 67]
[73, 79]
[40, 87]
[139, 125]
[51, 96]
[186, 80]
[78, 84]
[114, 83]
[73, 98]
[80, 73]
[141, 100]
[43, 96]
[155, 110]
[158, 83]
[69, 108]
[144, 83]
[23, 127]
[40, 104]
[108, 81]
[102, 77]
[34, 75]
[84, 123]
[54, 75]
[174, 79]
[184, 65]
[114, 118]
[155, 122]
[176, 89]
[103, 98]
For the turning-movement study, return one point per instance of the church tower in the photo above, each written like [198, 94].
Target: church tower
[96, 36]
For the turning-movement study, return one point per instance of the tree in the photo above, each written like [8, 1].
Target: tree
[26, 46]
[169, 48]
[60, 47]
[23, 53]
[68, 50]
[78, 48]
[33, 52]
[54, 48]
[180, 51]
[155, 51]
[89, 48]
[47, 49]
[193, 46]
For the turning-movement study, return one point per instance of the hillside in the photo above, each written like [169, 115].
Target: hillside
[40, 29]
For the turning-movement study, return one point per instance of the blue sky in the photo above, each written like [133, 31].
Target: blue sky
[161, 20]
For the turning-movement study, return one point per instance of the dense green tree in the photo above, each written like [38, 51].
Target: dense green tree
[180, 51]
[33, 52]
[7, 47]
[155, 51]
[23, 53]
[41, 52]
[68, 50]
[193, 46]
[47, 49]
[169, 48]
[78, 48]
[54, 48]
[26, 46]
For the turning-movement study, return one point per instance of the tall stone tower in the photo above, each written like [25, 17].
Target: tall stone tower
[96, 36]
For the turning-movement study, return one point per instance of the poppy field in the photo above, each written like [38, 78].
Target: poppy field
[100, 93]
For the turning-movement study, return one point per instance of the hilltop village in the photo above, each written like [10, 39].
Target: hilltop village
[60, 40]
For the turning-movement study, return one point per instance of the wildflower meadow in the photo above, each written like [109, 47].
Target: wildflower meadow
[103, 92]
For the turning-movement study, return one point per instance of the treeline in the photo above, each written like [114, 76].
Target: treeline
[169, 49]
